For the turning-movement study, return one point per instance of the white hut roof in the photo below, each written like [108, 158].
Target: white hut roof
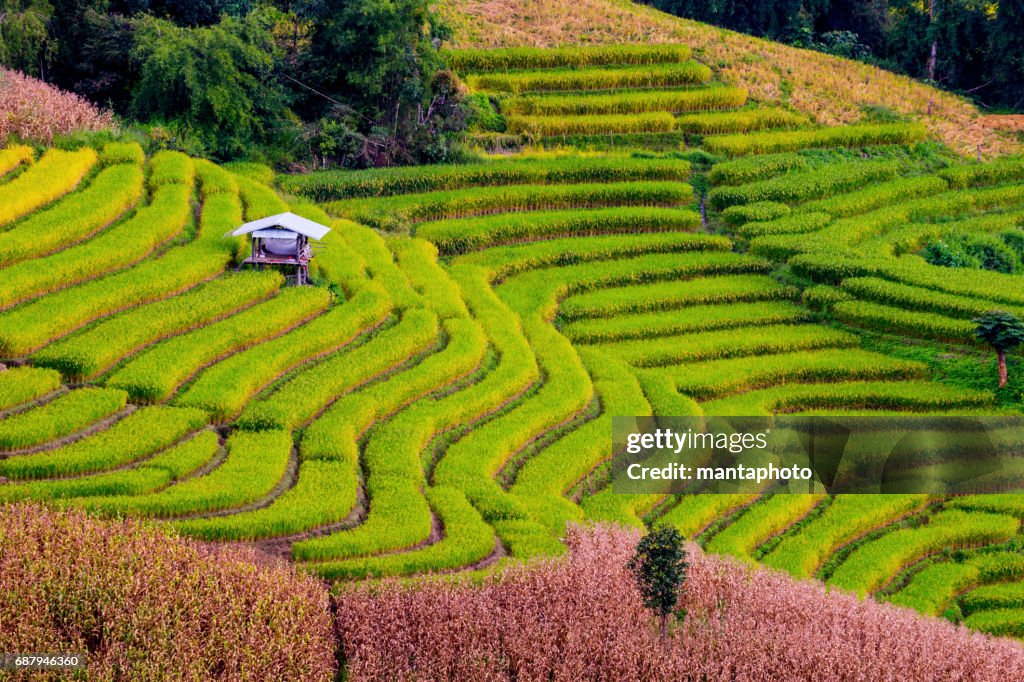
[284, 221]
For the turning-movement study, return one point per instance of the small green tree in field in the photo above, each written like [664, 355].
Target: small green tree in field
[1004, 332]
[659, 566]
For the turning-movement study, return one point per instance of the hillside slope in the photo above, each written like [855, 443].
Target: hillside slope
[831, 89]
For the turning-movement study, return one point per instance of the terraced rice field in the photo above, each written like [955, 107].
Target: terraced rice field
[442, 401]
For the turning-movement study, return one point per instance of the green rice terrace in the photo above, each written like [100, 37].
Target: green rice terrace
[643, 240]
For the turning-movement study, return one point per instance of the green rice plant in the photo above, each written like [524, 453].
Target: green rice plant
[801, 186]
[76, 217]
[998, 622]
[305, 395]
[759, 211]
[154, 473]
[720, 377]
[547, 476]
[677, 294]
[257, 172]
[991, 597]
[872, 565]
[260, 200]
[96, 350]
[753, 169]
[467, 540]
[849, 517]
[694, 513]
[876, 196]
[141, 433]
[559, 80]
[841, 136]
[255, 464]
[527, 539]
[670, 141]
[919, 299]
[465, 234]
[224, 389]
[417, 258]
[60, 417]
[760, 523]
[638, 102]
[19, 385]
[683, 321]
[888, 319]
[799, 223]
[980, 174]
[117, 247]
[931, 589]
[122, 152]
[608, 506]
[592, 124]
[874, 395]
[741, 121]
[402, 211]
[13, 156]
[171, 168]
[157, 372]
[324, 493]
[31, 326]
[213, 179]
[997, 503]
[503, 261]
[55, 174]
[822, 297]
[663, 396]
[728, 343]
[380, 264]
[510, 58]
[332, 185]
[392, 457]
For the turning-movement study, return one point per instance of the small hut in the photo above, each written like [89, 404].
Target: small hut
[282, 239]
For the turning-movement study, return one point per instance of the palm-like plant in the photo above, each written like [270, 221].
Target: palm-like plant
[1004, 332]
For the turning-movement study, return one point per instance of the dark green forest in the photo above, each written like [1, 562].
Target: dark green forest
[362, 83]
[973, 47]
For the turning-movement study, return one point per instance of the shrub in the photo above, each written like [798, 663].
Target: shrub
[236, 617]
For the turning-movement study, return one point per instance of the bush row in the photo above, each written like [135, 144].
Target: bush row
[752, 169]
[559, 80]
[740, 121]
[757, 212]
[254, 465]
[19, 385]
[887, 319]
[332, 185]
[675, 101]
[509, 58]
[94, 351]
[687, 320]
[139, 434]
[117, 247]
[224, 389]
[801, 186]
[871, 566]
[55, 174]
[156, 472]
[600, 124]
[400, 212]
[849, 517]
[868, 395]
[306, 394]
[720, 377]
[62, 416]
[466, 234]
[841, 136]
[677, 294]
[78, 216]
[157, 372]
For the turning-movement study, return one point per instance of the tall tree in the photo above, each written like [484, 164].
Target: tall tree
[1004, 332]
[659, 568]
[1007, 52]
[25, 43]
